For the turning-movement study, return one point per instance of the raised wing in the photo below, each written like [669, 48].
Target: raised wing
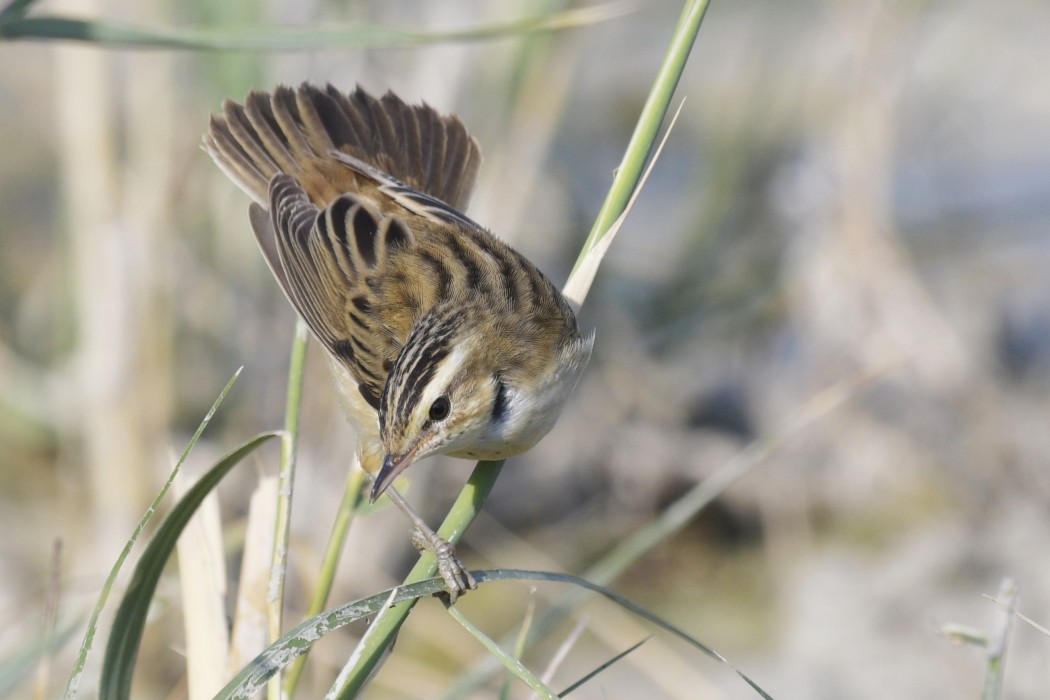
[327, 262]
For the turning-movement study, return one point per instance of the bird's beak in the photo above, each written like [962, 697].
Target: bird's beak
[392, 466]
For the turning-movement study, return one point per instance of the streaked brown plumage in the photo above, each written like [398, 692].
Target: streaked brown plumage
[443, 339]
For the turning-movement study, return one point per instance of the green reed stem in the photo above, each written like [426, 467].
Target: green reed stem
[626, 180]
[640, 147]
[386, 626]
[285, 488]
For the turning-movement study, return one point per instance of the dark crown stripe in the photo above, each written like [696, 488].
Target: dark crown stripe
[421, 363]
[430, 344]
[426, 347]
[418, 380]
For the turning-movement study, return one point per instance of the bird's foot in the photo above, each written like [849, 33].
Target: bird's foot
[457, 578]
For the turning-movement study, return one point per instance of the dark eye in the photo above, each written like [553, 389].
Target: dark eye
[439, 409]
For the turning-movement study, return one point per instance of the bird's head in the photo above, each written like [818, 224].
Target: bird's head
[446, 393]
[470, 385]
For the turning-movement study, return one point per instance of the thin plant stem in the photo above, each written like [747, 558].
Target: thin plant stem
[649, 121]
[285, 487]
[999, 640]
[510, 661]
[519, 650]
[353, 495]
[14, 25]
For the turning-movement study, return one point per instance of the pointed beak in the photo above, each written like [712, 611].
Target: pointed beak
[392, 466]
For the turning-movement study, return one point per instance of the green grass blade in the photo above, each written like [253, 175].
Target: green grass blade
[509, 661]
[649, 121]
[15, 8]
[116, 34]
[601, 668]
[130, 620]
[519, 648]
[73, 685]
[254, 676]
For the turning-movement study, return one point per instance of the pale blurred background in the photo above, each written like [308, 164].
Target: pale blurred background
[852, 188]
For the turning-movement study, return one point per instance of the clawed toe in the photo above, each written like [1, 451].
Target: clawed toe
[458, 579]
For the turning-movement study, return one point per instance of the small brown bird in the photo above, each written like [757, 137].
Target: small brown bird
[442, 338]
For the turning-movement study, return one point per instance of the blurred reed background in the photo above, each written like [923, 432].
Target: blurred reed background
[852, 188]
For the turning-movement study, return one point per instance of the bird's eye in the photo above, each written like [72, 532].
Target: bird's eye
[439, 409]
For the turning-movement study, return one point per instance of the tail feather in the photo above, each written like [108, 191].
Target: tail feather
[231, 157]
[290, 129]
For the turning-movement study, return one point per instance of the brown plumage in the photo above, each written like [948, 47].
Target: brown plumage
[442, 337]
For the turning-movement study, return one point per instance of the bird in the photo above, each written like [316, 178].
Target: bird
[442, 339]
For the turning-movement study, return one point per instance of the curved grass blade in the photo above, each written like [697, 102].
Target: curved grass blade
[130, 620]
[351, 663]
[73, 685]
[15, 8]
[253, 677]
[601, 668]
[15, 26]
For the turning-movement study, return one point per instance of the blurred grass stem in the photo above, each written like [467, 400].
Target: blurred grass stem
[13, 25]
[510, 661]
[1000, 639]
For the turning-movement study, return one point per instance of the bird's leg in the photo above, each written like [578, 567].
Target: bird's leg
[457, 579]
